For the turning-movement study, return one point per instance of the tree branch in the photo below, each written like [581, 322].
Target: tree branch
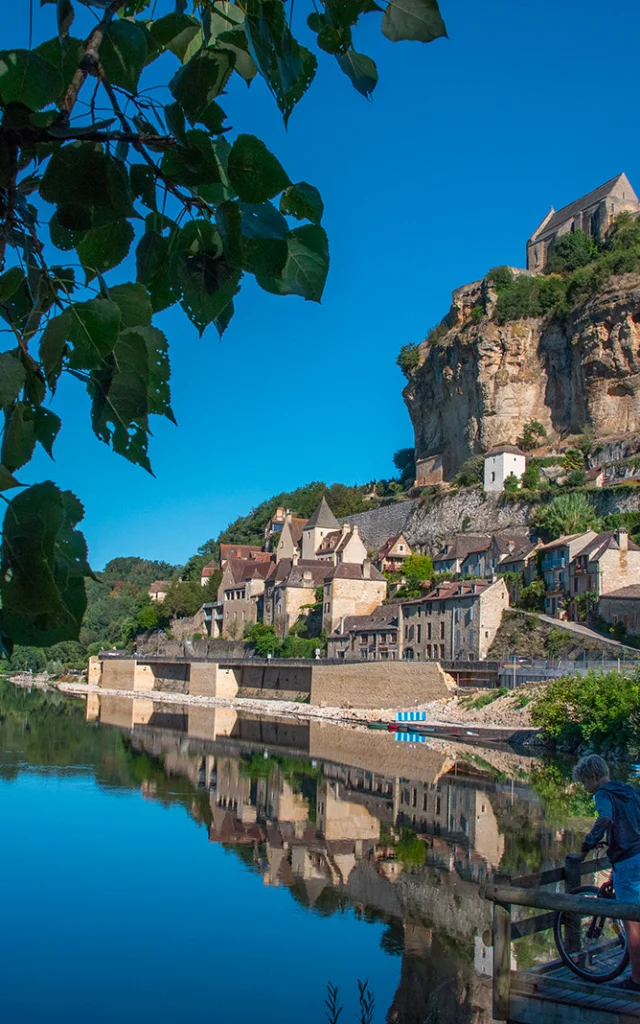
[12, 196]
[88, 62]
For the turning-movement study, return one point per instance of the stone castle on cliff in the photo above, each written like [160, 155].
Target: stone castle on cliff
[480, 385]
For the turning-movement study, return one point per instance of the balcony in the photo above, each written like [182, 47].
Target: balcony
[554, 562]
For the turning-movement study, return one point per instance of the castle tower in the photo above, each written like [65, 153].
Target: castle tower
[316, 528]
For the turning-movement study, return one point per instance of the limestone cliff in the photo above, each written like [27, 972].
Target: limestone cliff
[482, 382]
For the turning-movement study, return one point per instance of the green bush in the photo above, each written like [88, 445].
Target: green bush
[568, 252]
[471, 473]
[576, 478]
[411, 851]
[530, 479]
[511, 484]
[477, 313]
[500, 278]
[566, 514]
[437, 333]
[532, 597]
[264, 639]
[573, 459]
[596, 708]
[532, 434]
[558, 641]
[409, 359]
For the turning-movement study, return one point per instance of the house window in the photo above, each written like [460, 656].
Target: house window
[401, 547]
[418, 634]
[428, 630]
[442, 651]
[442, 630]
[493, 478]
[327, 606]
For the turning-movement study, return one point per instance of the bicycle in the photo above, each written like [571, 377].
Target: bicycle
[593, 947]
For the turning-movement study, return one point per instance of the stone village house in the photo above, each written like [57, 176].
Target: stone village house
[456, 621]
[623, 606]
[372, 637]
[556, 559]
[393, 554]
[351, 590]
[607, 563]
[500, 463]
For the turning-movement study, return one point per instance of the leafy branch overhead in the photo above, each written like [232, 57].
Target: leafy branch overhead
[115, 153]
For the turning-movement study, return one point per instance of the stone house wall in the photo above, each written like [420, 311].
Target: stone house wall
[621, 609]
[287, 606]
[344, 597]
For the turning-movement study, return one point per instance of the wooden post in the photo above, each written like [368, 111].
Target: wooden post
[572, 874]
[572, 880]
[501, 960]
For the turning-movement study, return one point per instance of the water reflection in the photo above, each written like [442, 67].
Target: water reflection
[341, 818]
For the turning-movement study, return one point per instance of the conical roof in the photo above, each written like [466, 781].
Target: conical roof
[324, 517]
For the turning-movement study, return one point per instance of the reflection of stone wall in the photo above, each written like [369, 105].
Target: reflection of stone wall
[376, 752]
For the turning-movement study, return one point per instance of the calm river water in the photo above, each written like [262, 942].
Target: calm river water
[161, 863]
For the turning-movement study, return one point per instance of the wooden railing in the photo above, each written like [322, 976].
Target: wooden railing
[526, 892]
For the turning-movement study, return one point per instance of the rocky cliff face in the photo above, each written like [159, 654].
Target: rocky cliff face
[483, 382]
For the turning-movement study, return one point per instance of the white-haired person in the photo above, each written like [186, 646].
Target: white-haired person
[618, 823]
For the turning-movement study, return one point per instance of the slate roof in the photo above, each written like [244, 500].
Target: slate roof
[522, 550]
[624, 593]
[454, 589]
[296, 526]
[566, 213]
[337, 540]
[602, 542]
[561, 541]
[296, 577]
[324, 517]
[462, 546]
[242, 569]
[351, 571]
[388, 545]
[385, 616]
[510, 449]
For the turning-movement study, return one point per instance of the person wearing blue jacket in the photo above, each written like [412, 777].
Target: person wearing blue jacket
[618, 823]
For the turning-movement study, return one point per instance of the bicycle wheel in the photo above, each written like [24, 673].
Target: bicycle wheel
[595, 948]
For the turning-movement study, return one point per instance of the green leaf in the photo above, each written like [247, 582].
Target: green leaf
[413, 19]
[103, 248]
[152, 260]
[262, 220]
[44, 562]
[134, 304]
[342, 13]
[73, 217]
[65, 55]
[7, 480]
[93, 332]
[25, 77]
[254, 172]
[307, 265]
[179, 33]
[213, 118]
[174, 117]
[195, 163]
[225, 16]
[62, 237]
[287, 67]
[265, 256]
[19, 438]
[360, 69]
[10, 281]
[201, 274]
[303, 202]
[47, 427]
[143, 184]
[127, 388]
[334, 40]
[82, 174]
[12, 377]
[53, 345]
[123, 53]
[235, 40]
[201, 80]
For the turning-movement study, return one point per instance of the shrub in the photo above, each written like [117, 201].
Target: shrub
[558, 641]
[576, 478]
[531, 477]
[500, 278]
[264, 639]
[568, 252]
[532, 433]
[409, 359]
[411, 851]
[532, 597]
[567, 513]
[595, 708]
[471, 473]
[573, 459]
[477, 313]
[511, 484]
[437, 333]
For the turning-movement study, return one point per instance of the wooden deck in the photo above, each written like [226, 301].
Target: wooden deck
[550, 993]
[554, 995]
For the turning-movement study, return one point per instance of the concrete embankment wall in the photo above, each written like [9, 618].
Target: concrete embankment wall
[367, 685]
[378, 684]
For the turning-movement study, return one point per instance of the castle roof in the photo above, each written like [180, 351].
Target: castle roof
[593, 198]
[351, 571]
[323, 517]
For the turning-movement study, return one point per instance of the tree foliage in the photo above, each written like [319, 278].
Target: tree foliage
[114, 152]
[566, 514]
[598, 708]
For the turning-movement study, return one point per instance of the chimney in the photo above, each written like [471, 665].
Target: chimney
[296, 557]
[341, 629]
[622, 538]
[346, 529]
[307, 577]
[366, 569]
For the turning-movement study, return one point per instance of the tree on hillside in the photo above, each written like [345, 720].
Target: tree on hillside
[566, 514]
[141, 571]
[117, 154]
[405, 462]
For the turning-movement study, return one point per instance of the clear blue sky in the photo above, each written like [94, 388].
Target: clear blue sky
[466, 145]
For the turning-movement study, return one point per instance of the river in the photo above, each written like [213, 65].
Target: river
[163, 863]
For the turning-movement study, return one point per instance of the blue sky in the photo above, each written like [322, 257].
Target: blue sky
[466, 145]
